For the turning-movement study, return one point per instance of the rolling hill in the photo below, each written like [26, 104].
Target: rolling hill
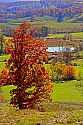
[77, 18]
[60, 10]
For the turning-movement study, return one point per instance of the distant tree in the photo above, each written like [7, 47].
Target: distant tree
[1, 44]
[8, 31]
[25, 71]
[67, 56]
[60, 17]
[44, 31]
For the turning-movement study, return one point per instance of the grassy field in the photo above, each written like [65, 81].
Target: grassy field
[81, 53]
[56, 35]
[52, 26]
[78, 35]
[63, 92]
[46, 21]
[10, 115]
[54, 114]
[68, 91]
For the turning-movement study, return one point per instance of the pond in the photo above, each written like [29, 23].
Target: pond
[60, 49]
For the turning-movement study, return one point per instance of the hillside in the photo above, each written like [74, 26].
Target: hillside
[77, 18]
[58, 9]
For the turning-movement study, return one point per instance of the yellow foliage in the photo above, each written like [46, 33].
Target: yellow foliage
[8, 42]
[57, 71]
[61, 71]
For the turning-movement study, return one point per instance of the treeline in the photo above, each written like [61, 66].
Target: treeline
[51, 11]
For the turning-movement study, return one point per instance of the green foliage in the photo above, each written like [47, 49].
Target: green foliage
[4, 57]
[57, 71]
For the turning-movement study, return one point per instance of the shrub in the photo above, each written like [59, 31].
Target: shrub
[70, 72]
[61, 71]
[57, 71]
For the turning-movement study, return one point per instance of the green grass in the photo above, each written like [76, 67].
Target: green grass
[63, 92]
[6, 91]
[46, 21]
[56, 35]
[74, 35]
[32, 117]
[53, 25]
[50, 23]
[67, 92]
[81, 53]
[77, 35]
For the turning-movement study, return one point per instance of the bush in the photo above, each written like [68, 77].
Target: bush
[70, 72]
[61, 71]
[57, 71]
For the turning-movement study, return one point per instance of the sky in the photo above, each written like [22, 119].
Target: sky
[29, 0]
[15, 0]
[7, 1]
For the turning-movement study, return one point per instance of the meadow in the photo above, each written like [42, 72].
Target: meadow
[61, 91]
[66, 109]
[77, 35]
[51, 23]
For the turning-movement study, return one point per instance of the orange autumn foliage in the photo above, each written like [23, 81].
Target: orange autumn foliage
[68, 72]
[1, 99]
[26, 71]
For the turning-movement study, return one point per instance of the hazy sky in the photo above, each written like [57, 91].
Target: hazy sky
[16, 0]
[29, 0]
[7, 0]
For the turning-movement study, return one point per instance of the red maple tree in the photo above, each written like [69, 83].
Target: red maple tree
[25, 70]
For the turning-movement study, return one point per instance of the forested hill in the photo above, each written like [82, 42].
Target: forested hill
[61, 10]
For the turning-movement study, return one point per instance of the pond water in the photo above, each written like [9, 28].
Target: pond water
[60, 49]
